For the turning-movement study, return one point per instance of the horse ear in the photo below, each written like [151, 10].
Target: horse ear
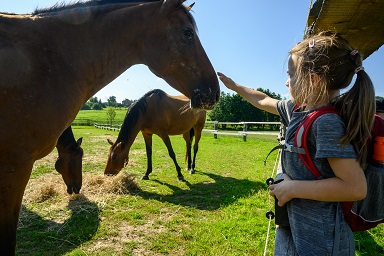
[110, 142]
[79, 141]
[171, 4]
[189, 8]
[120, 145]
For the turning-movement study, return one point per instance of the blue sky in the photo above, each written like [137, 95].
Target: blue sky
[247, 40]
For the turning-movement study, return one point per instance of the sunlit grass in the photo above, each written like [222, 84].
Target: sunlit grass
[220, 210]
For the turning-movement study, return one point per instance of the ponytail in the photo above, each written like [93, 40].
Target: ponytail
[357, 106]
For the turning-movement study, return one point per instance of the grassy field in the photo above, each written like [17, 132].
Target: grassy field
[100, 116]
[219, 210]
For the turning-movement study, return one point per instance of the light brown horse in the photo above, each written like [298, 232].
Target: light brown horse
[69, 161]
[161, 114]
[53, 61]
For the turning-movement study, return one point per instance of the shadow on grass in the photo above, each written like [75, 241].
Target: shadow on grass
[38, 236]
[212, 195]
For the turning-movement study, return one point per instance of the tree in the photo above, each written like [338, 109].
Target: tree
[97, 106]
[86, 106]
[112, 101]
[93, 100]
[111, 113]
[234, 108]
[127, 102]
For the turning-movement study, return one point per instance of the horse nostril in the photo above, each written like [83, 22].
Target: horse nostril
[69, 190]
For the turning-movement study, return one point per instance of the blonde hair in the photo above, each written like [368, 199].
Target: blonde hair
[334, 62]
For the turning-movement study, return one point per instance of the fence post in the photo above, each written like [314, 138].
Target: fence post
[215, 127]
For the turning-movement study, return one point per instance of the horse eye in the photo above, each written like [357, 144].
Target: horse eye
[188, 34]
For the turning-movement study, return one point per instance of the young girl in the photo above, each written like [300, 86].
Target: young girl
[318, 68]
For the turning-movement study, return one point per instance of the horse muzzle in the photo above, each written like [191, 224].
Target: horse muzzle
[73, 189]
[204, 98]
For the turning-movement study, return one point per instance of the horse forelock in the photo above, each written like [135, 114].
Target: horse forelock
[190, 17]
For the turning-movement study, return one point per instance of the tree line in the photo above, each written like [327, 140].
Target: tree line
[96, 104]
[230, 108]
[234, 108]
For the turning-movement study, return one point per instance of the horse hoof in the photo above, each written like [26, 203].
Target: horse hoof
[192, 171]
[145, 177]
[181, 178]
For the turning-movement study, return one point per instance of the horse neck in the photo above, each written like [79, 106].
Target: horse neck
[132, 124]
[103, 51]
[66, 140]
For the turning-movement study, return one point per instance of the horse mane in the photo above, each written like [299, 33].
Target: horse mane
[137, 109]
[58, 7]
[67, 140]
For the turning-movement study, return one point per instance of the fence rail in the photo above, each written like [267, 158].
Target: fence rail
[216, 130]
[107, 127]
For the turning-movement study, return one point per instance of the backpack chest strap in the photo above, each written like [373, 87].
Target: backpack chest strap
[293, 149]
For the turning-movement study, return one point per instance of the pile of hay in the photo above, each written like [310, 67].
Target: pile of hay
[120, 184]
[95, 186]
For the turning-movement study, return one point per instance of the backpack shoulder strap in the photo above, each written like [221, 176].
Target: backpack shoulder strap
[301, 135]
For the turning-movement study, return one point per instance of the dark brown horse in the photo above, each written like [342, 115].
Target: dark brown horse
[69, 161]
[53, 61]
[163, 115]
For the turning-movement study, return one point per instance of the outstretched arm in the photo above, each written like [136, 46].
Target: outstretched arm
[256, 98]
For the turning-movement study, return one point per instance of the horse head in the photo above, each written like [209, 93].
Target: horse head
[173, 51]
[117, 158]
[69, 165]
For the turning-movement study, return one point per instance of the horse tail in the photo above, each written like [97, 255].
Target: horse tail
[191, 135]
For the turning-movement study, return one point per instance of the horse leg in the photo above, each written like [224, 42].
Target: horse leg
[188, 144]
[148, 149]
[13, 180]
[171, 153]
[195, 149]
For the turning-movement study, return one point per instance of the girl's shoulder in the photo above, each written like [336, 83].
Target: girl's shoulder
[285, 109]
[329, 119]
[328, 124]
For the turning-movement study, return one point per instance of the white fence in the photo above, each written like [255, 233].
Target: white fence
[215, 131]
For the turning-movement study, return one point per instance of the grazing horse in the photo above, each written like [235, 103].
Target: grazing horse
[54, 60]
[163, 115]
[69, 161]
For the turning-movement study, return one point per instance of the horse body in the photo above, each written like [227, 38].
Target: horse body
[52, 62]
[163, 115]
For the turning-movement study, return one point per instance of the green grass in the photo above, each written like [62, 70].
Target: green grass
[220, 210]
[100, 116]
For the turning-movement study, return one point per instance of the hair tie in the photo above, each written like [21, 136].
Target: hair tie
[358, 69]
[311, 43]
[354, 52]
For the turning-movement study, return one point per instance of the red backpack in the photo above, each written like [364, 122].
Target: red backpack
[360, 215]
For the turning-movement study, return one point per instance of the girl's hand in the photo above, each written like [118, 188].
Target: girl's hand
[281, 190]
[228, 82]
